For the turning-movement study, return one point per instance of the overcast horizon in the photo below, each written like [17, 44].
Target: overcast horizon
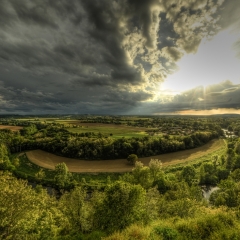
[129, 57]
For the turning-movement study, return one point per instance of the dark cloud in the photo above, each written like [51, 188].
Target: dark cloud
[146, 18]
[96, 56]
[172, 53]
[34, 13]
[105, 29]
[167, 36]
[6, 16]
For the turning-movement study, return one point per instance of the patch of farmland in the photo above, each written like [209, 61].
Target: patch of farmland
[114, 130]
[48, 160]
[13, 128]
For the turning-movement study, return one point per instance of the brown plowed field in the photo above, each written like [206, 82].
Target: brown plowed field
[13, 128]
[49, 160]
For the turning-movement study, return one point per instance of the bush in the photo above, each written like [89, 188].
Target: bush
[96, 235]
[166, 233]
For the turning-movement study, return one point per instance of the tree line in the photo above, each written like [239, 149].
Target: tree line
[59, 141]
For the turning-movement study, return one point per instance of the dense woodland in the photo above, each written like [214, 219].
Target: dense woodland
[177, 134]
[149, 203]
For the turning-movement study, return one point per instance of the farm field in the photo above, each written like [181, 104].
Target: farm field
[48, 160]
[13, 128]
[113, 130]
[37, 119]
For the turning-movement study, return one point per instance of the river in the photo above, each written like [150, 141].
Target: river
[208, 190]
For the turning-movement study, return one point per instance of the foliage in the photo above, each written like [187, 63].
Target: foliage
[166, 232]
[53, 136]
[188, 174]
[151, 202]
[155, 167]
[40, 175]
[23, 212]
[237, 147]
[62, 176]
[210, 224]
[132, 158]
[122, 205]
[227, 195]
[208, 174]
[29, 130]
[5, 163]
[77, 210]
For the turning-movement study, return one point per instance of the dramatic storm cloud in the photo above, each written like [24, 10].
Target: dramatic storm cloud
[108, 57]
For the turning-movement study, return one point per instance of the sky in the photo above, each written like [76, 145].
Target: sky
[125, 57]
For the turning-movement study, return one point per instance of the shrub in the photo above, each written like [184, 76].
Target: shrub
[166, 233]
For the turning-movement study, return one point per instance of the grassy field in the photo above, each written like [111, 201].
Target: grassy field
[113, 130]
[49, 161]
[42, 120]
[28, 170]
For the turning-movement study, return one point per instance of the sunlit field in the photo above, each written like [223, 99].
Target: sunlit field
[48, 160]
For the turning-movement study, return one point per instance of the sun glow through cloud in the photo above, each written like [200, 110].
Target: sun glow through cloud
[202, 112]
[214, 62]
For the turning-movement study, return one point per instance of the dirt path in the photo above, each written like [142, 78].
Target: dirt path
[49, 160]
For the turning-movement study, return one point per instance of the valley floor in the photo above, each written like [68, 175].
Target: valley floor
[49, 160]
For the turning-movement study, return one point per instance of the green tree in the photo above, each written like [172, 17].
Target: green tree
[230, 159]
[236, 175]
[77, 210]
[152, 204]
[142, 175]
[16, 162]
[62, 176]
[215, 161]
[227, 195]
[132, 158]
[236, 163]
[30, 130]
[188, 174]
[40, 175]
[155, 167]
[122, 205]
[5, 163]
[163, 185]
[25, 214]
[237, 147]
[208, 174]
